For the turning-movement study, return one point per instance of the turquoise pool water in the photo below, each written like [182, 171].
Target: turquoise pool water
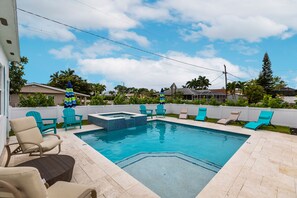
[173, 160]
[159, 136]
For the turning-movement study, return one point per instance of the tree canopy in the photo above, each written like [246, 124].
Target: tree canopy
[61, 78]
[265, 77]
[16, 73]
[201, 83]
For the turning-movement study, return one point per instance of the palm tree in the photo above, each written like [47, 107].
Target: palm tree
[203, 82]
[54, 77]
[98, 88]
[231, 87]
[192, 84]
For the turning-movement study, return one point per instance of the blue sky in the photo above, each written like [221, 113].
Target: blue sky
[204, 33]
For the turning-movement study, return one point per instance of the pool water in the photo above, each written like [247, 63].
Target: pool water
[161, 151]
[118, 115]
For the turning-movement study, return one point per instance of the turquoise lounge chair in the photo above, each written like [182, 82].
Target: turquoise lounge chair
[44, 128]
[160, 111]
[145, 111]
[264, 119]
[201, 114]
[71, 119]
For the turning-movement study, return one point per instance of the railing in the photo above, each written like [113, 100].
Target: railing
[283, 117]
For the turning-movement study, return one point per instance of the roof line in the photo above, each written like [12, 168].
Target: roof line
[56, 89]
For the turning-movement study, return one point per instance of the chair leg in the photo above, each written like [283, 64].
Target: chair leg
[8, 155]
[93, 194]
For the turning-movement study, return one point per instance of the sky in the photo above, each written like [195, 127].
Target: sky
[205, 34]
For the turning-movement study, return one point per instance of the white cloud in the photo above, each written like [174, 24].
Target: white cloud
[157, 73]
[125, 35]
[234, 27]
[250, 20]
[208, 51]
[244, 49]
[65, 53]
[99, 48]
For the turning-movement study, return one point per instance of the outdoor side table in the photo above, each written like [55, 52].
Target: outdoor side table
[53, 168]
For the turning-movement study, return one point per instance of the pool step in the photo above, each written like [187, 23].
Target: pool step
[141, 156]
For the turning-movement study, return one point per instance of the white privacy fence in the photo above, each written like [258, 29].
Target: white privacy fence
[283, 117]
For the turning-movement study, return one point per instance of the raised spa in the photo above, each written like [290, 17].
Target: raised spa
[117, 120]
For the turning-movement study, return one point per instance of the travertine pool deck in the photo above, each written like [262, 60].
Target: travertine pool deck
[265, 166]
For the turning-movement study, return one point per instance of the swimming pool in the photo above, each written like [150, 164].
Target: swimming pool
[165, 156]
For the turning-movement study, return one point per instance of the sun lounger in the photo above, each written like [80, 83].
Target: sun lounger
[264, 119]
[183, 114]
[232, 118]
[201, 114]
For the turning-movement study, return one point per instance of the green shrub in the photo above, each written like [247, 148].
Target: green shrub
[97, 100]
[36, 100]
[120, 99]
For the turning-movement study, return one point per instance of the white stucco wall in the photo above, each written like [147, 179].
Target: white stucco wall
[4, 97]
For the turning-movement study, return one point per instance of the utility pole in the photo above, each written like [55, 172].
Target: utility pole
[225, 72]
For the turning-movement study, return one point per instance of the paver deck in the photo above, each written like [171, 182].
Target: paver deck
[264, 166]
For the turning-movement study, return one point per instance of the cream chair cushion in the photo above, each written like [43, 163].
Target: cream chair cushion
[46, 145]
[26, 130]
[65, 189]
[26, 179]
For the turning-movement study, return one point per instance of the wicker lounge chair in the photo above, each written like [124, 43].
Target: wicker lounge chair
[29, 139]
[21, 182]
[264, 119]
[201, 114]
[183, 114]
[145, 111]
[232, 118]
[44, 128]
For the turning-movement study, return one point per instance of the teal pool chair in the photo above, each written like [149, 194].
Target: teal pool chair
[160, 111]
[145, 111]
[201, 114]
[44, 128]
[264, 119]
[71, 119]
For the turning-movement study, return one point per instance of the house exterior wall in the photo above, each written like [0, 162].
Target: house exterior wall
[4, 97]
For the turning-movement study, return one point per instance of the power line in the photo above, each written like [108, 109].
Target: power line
[217, 78]
[118, 42]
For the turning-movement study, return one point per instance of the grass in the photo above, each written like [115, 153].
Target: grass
[280, 129]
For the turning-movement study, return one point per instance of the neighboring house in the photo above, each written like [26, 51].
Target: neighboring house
[287, 94]
[286, 91]
[192, 94]
[57, 93]
[9, 51]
